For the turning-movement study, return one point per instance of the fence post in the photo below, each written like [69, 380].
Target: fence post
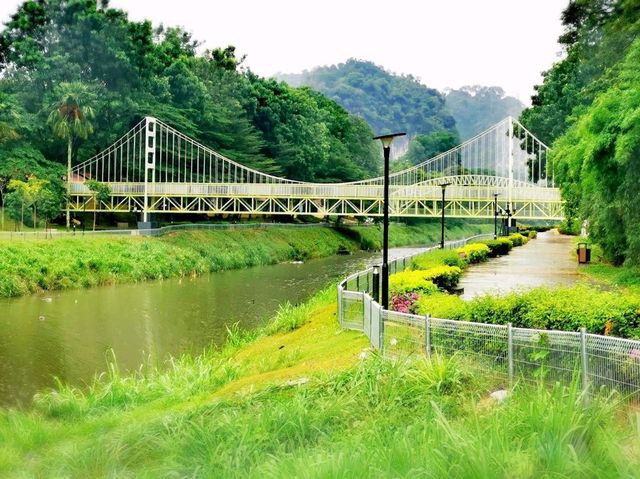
[427, 334]
[381, 329]
[510, 352]
[584, 361]
[340, 305]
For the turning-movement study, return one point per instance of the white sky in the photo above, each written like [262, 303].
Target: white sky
[445, 43]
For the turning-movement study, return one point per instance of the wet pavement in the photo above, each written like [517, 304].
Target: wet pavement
[545, 261]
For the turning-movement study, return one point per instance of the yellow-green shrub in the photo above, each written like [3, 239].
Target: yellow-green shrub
[411, 282]
[517, 239]
[498, 247]
[435, 258]
[474, 253]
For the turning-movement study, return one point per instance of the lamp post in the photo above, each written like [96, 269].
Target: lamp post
[444, 188]
[386, 148]
[495, 215]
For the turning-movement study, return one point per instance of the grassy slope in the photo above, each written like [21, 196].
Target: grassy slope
[30, 266]
[235, 413]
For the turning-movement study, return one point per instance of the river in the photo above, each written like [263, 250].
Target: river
[69, 334]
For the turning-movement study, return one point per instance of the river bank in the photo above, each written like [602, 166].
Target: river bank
[28, 267]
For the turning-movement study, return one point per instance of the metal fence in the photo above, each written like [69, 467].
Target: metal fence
[596, 361]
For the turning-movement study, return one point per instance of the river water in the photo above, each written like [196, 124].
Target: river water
[70, 334]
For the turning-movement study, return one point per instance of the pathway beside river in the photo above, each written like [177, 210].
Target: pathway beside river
[546, 260]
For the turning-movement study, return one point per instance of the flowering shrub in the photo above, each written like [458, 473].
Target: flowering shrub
[404, 303]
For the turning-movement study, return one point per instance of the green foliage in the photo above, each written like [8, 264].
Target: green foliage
[597, 162]
[587, 106]
[424, 147]
[498, 247]
[517, 239]
[437, 257]
[569, 228]
[566, 309]
[597, 37]
[443, 276]
[82, 68]
[412, 281]
[387, 102]
[474, 252]
[476, 108]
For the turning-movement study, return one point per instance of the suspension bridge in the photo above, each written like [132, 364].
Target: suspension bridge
[155, 169]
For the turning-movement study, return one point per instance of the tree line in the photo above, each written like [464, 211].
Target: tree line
[74, 76]
[587, 109]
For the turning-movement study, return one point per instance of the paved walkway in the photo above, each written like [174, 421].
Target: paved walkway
[546, 260]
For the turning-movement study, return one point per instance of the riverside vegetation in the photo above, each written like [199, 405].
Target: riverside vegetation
[302, 397]
[425, 289]
[32, 266]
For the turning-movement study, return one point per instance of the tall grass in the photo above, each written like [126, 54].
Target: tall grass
[377, 419]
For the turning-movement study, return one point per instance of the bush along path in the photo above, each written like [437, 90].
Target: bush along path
[438, 271]
[426, 287]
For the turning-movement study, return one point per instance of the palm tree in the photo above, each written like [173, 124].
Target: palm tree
[70, 118]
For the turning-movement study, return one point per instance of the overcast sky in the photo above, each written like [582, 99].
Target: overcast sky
[445, 43]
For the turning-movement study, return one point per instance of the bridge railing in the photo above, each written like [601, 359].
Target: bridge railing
[318, 191]
[596, 361]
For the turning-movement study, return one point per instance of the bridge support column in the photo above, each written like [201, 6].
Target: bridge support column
[510, 190]
[150, 163]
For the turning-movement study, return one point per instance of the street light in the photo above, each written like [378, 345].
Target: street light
[495, 215]
[386, 148]
[444, 187]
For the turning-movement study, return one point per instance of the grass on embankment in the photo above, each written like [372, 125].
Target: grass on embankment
[297, 400]
[32, 266]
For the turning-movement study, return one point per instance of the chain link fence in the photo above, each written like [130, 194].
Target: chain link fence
[597, 362]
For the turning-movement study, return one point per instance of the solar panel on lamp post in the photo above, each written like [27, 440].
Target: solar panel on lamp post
[386, 148]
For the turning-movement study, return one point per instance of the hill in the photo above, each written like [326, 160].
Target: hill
[476, 108]
[388, 102]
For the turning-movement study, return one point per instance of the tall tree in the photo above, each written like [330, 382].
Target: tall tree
[70, 119]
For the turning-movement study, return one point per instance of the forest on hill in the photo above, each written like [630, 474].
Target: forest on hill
[78, 75]
[476, 108]
[434, 122]
[588, 109]
[388, 102]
